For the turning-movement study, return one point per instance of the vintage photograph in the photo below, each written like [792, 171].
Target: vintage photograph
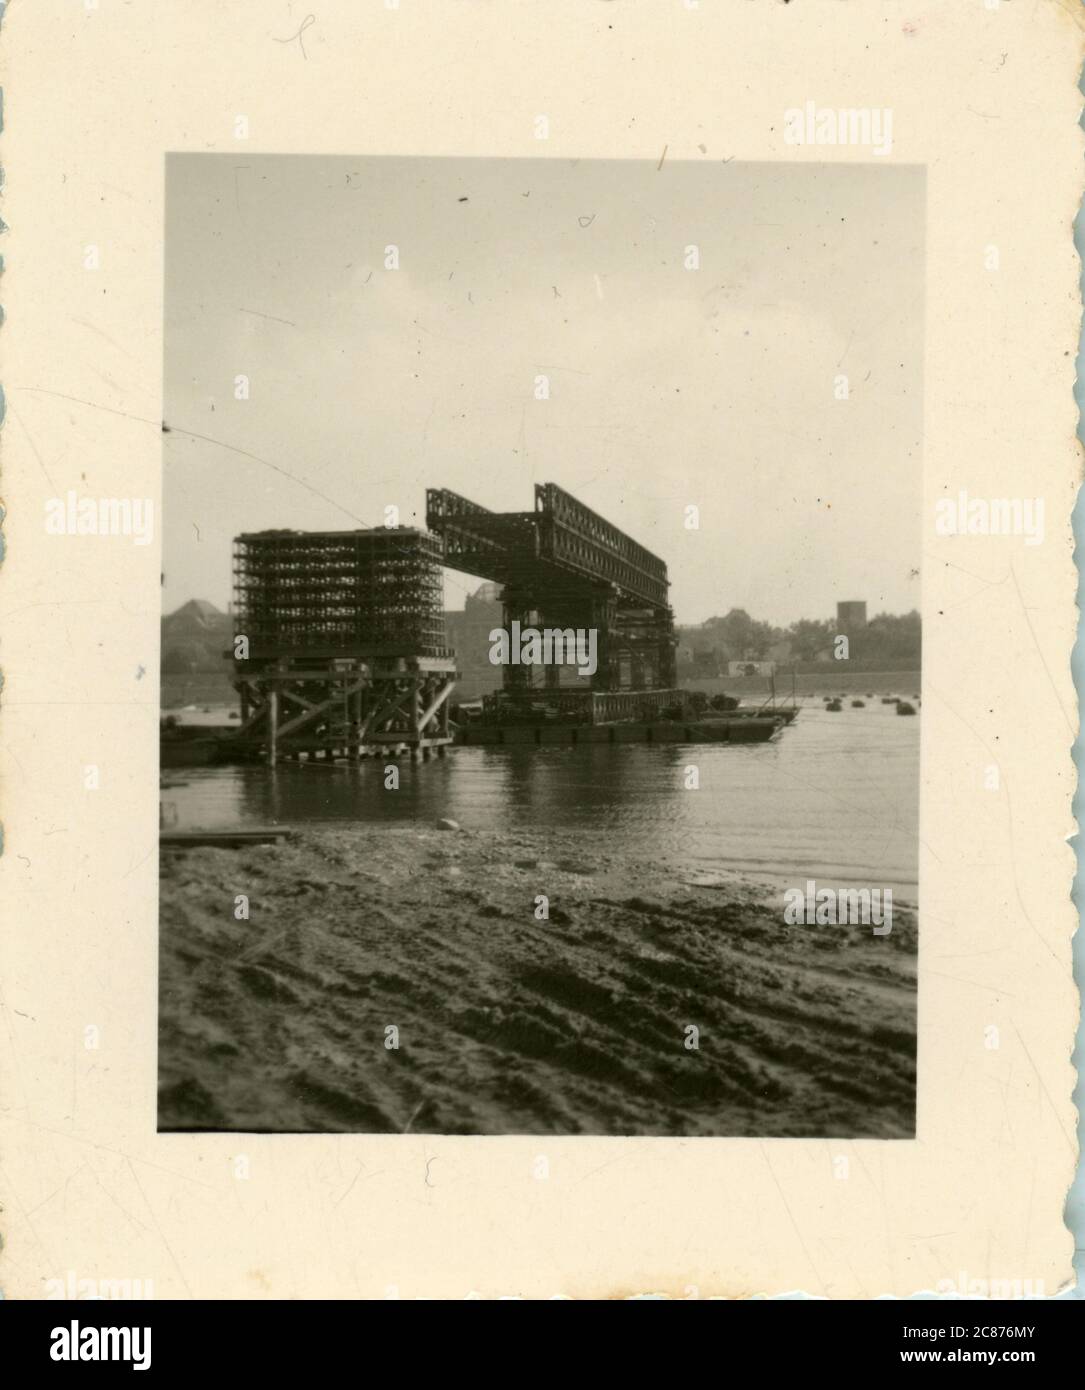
[541, 656]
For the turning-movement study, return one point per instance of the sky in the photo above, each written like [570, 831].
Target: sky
[669, 387]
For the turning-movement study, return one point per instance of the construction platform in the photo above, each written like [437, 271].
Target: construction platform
[579, 707]
[345, 707]
[724, 730]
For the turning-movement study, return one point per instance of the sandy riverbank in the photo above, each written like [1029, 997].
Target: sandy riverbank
[512, 1025]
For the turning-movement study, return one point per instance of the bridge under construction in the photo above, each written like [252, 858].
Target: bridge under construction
[562, 566]
[340, 645]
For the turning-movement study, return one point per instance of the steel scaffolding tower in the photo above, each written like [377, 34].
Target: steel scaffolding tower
[340, 643]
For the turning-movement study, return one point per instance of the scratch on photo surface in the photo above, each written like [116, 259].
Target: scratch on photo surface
[273, 317]
[158, 1228]
[306, 23]
[1070, 1141]
[1039, 650]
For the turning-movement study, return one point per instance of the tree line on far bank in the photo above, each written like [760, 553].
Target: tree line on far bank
[890, 639]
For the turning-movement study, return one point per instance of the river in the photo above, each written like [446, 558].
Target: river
[834, 797]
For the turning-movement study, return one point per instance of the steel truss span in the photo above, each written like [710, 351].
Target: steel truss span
[561, 536]
[565, 566]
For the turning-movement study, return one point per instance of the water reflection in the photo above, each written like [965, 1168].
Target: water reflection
[836, 794]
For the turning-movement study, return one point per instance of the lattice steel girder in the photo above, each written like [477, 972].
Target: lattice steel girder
[493, 545]
[574, 536]
[560, 540]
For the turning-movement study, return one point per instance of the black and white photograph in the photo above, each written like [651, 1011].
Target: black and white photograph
[541, 654]
[540, 687]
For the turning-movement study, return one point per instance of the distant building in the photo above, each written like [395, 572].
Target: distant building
[695, 655]
[469, 637]
[751, 668]
[851, 616]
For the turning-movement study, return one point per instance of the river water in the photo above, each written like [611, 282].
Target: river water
[834, 797]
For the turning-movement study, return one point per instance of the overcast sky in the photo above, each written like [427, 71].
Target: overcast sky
[668, 386]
